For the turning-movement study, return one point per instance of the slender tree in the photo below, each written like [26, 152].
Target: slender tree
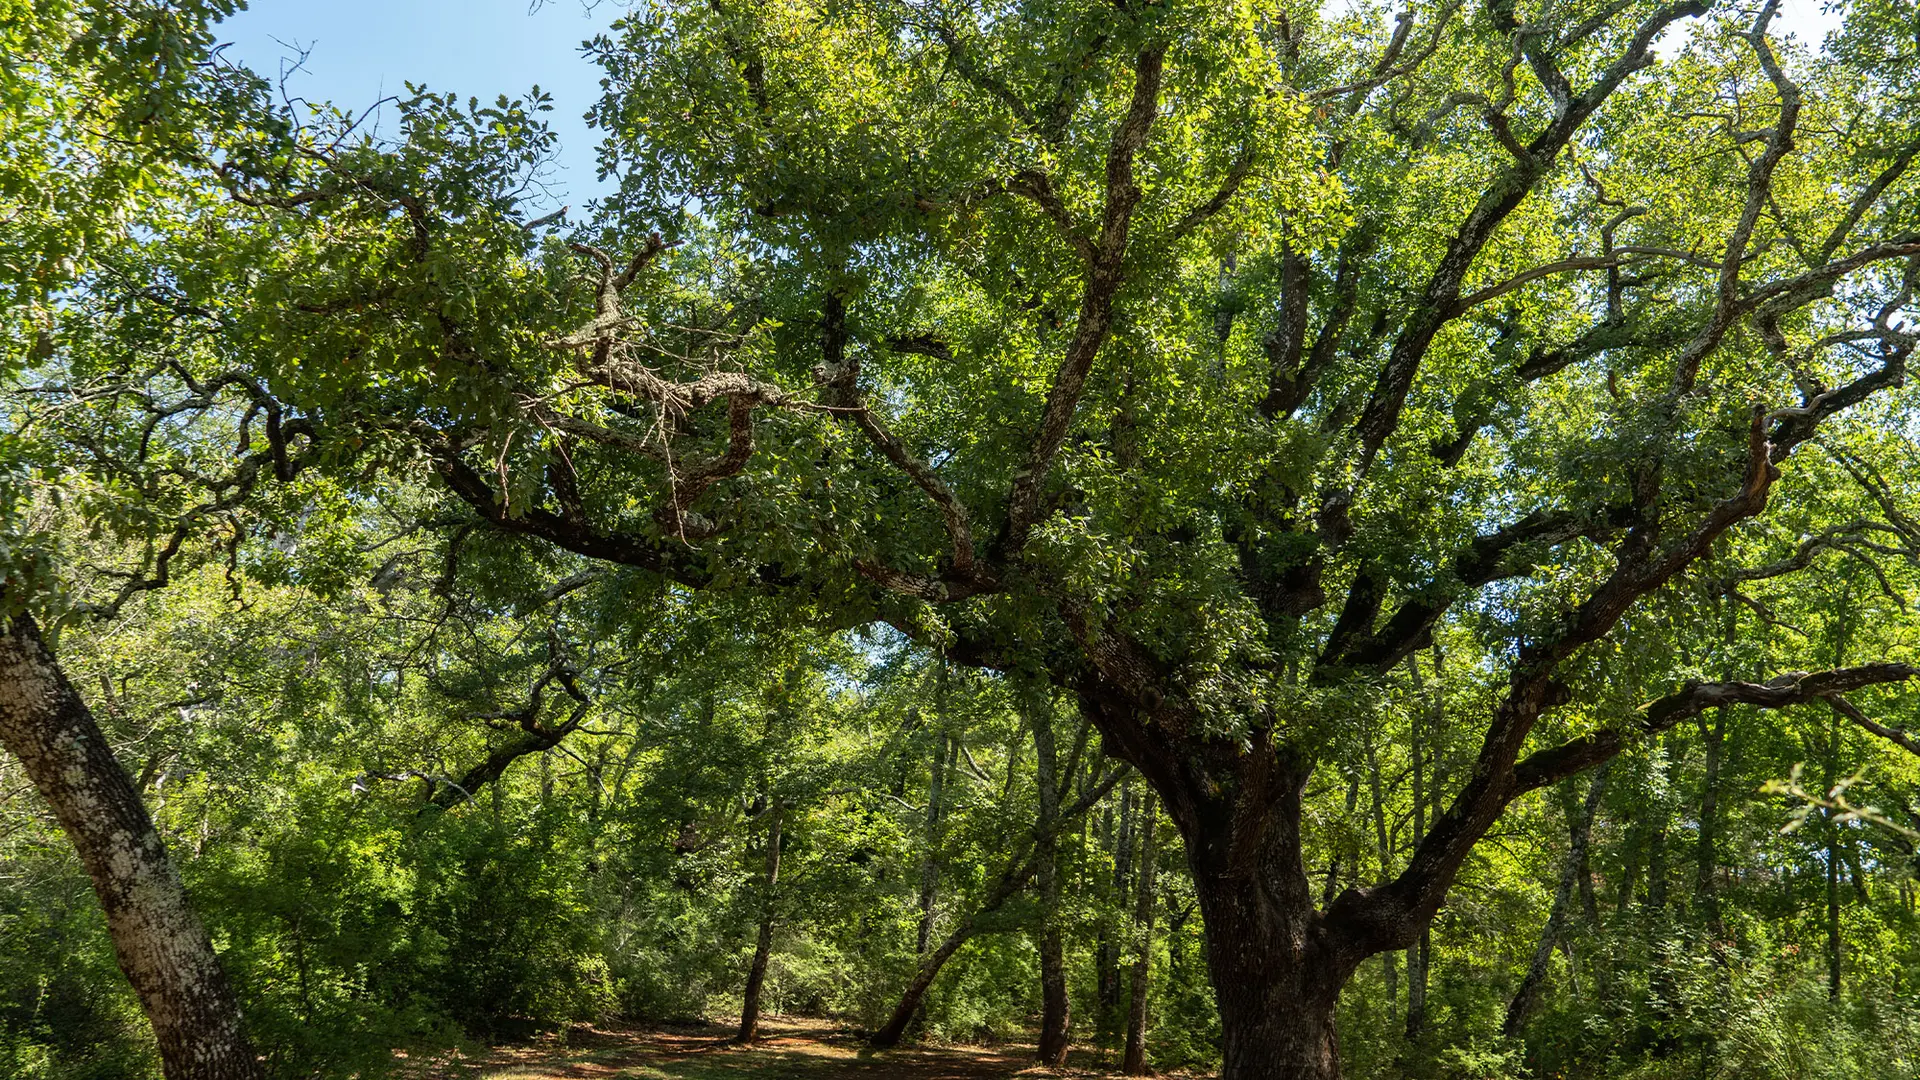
[157, 938]
[1134, 1061]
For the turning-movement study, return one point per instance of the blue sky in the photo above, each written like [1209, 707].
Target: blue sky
[361, 50]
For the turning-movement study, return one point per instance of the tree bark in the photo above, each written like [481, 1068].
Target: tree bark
[1277, 965]
[1055, 1005]
[763, 945]
[157, 939]
[1056, 1015]
[1707, 857]
[1134, 1062]
[1275, 987]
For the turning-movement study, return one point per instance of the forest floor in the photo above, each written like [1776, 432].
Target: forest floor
[789, 1048]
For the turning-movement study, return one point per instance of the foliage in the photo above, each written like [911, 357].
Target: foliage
[1365, 429]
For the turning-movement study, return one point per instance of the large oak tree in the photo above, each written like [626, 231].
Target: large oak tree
[1202, 359]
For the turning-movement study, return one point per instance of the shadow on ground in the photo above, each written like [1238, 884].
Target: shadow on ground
[789, 1049]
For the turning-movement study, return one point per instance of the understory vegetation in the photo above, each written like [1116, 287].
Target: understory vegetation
[299, 751]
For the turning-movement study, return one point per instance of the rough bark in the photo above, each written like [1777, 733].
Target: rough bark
[157, 939]
[1276, 976]
[763, 944]
[1134, 1062]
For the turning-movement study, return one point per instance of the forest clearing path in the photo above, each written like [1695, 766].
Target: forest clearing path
[788, 1049]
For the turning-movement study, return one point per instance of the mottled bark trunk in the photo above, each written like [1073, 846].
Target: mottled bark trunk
[763, 944]
[1418, 959]
[1134, 1062]
[157, 939]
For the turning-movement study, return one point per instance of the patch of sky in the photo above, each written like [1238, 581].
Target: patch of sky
[354, 53]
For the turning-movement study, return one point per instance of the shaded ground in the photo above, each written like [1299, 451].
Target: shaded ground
[788, 1049]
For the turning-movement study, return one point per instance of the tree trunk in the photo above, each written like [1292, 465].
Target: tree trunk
[1833, 910]
[1421, 951]
[1277, 966]
[1383, 851]
[1055, 1006]
[157, 939]
[763, 946]
[1834, 948]
[1418, 958]
[1706, 862]
[1134, 1063]
[944, 749]
[1276, 996]
[1108, 955]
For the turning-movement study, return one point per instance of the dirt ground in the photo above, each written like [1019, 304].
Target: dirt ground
[788, 1049]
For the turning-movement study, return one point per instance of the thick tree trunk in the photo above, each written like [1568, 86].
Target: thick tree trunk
[1276, 998]
[1277, 966]
[763, 945]
[1134, 1063]
[157, 938]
